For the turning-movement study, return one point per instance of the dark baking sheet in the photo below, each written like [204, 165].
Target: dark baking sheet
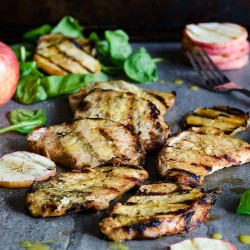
[80, 231]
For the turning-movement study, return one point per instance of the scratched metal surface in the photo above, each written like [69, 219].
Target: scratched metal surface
[80, 231]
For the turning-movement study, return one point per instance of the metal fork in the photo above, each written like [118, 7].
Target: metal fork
[211, 76]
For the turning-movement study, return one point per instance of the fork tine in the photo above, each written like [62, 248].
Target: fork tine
[204, 68]
[223, 77]
[212, 78]
[196, 67]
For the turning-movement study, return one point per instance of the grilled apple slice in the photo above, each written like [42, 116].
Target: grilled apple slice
[156, 210]
[230, 120]
[60, 55]
[202, 244]
[191, 155]
[92, 189]
[20, 169]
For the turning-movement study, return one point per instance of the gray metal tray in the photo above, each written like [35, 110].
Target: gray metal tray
[80, 231]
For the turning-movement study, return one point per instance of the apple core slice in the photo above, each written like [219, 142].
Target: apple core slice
[20, 169]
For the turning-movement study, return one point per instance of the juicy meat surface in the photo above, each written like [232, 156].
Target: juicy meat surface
[138, 114]
[93, 189]
[60, 55]
[88, 143]
[191, 155]
[156, 210]
[162, 100]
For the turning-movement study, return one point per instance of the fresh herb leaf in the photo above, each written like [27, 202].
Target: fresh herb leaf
[24, 121]
[244, 206]
[140, 67]
[34, 34]
[60, 85]
[111, 70]
[29, 90]
[23, 51]
[32, 88]
[118, 46]
[94, 37]
[29, 68]
[68, 26]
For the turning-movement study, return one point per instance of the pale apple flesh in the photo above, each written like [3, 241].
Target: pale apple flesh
[9, 73]
[202, 244]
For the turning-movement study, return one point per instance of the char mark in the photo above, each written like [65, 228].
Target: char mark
[154, 113]
[141, 227]
[188, 219]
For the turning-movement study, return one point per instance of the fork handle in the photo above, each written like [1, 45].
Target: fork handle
[243, 91]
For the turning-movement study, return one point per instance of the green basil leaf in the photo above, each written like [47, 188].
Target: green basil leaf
[244, 206]
[68, 26]
[25, 121]
[102, 48]
[33, 35]
[29, 90]
[111, 70]
[119, 47]
[140, 67]
[29, 68]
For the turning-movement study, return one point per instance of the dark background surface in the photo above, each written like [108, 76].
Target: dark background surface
[142, 19]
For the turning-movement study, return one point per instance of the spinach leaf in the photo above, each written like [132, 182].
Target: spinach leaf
[33, 88]
[23, 51]
[60, 85]
[24, 121]
[118, 46]
[33, 35]
[94, 37]
[140, 67]
[68, 26]
[29, 68]
[29, 90]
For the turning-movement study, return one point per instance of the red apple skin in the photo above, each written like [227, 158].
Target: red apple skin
[9, 73]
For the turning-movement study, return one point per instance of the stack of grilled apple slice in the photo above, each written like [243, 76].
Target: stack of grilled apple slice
[225, 43]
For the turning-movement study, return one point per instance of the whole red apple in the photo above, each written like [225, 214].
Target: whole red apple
[9, 73]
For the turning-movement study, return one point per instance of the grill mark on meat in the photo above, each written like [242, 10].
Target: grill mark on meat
[159, 98]
[154, 112]
[133, 179]
[141, 227]
[188, 219]
[59, 66]
[190, 174]
[207, 168]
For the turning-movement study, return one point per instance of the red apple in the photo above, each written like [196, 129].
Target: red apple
[9, 73]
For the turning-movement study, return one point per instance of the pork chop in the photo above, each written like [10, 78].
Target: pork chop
[140, 115]
[162, 100]
[191, 155]
[156, 210]
[88, 143]
[92, 190]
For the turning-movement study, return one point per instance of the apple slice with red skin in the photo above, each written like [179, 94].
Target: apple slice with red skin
[9, 73]
[202, 244]
[21, 168]
[188, 45]
[215, 35]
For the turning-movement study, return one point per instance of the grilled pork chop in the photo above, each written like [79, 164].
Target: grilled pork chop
[156, 210]
[92, 189]
[88, 143]
[162, 100]
[138, 114]
[191, 155]
[60, 55]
